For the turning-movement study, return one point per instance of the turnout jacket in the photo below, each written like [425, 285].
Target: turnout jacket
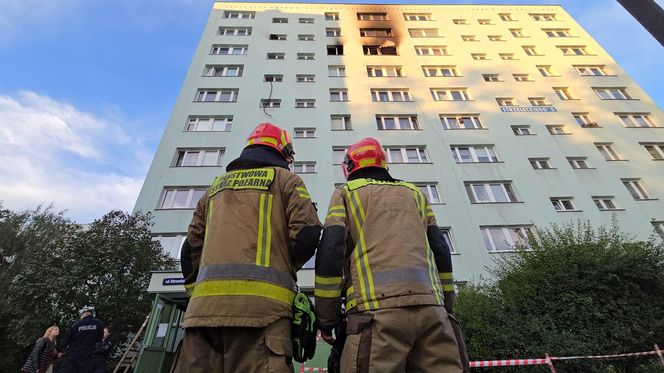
[250, 232]
[381, 248]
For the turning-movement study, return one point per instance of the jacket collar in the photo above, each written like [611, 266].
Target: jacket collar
[376, 173]
[254, 156]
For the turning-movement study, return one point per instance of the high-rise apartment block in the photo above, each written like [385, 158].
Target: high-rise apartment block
[507, 117]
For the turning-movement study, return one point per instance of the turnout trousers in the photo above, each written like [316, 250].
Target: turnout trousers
[413, 339]
[237, 349]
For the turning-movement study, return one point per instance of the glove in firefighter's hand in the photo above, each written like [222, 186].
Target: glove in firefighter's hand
[448, 298]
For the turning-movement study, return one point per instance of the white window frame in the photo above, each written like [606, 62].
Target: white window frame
[220, 95]
[635, 189]
[607, 151]
[404, 152]
[469, 37]
[546, 17]
[388, 71]
[507, 17]
[230, 49]
[563, 204]
[417, 17]
[658, 226]
[304, 167]
[304, 133]
[511, 234]
[655, 149]
[495, 38]
[563, 93]
[546, 71]
[484, 21]
[376, 32]
[479, 56]
[305, 103]
[460, 21]
[390, 95]
[578, 163]
[343, 119]
[389, 122]
[200, 156]
[583, 120]
[306, 20]
[475, 153]
[531, 50]
[234, 31]
[375, 16]
[223, 70]
[522, 77]
[431, 50]
[557, 129]
[338, 154]
[492, 77]
[605, 203]
[591, 70]
[538, 101]
[305, 37]
[275, 78]
[447, 236]
[176, 240]
[430, 190]
[377, 50]
[495, 192]
[557, 32]
[279, 20]
[540, 163]
[331, 16]
[636, 120]
[612, 93]
[506, 101]
[196, 124]
[461, 121]
[277, 37]
[305, 78]
[573, 50]
[169, 194]
[424, 32]
[306, 56]
[275, 56]
[239, 14]
[332, 32]
[521, 130]
[337, 49]
[450, 94]
[270, 103]
[336, 71]
[447, 71]
[517, 33]
[507, 56]
[338, 95]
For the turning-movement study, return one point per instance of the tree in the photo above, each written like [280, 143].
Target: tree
[50, 267]
[573, 290]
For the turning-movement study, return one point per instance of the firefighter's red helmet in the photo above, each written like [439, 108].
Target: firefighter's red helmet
[270, 135]
[365, 153]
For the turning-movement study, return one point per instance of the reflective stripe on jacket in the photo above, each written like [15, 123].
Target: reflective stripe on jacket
[381, 248]
[250, 232]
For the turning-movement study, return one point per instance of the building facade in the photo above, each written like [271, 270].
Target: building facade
[507, 117]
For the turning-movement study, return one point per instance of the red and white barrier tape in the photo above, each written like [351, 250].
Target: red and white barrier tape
[312, 369]
[605, 356]
[507, 363]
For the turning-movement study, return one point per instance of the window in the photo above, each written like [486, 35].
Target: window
[484, 22]
[607, 151]
[305, 37]
[591, 70]
[199, 157]
[331, 16]
[276, 56]
[659, 228]
[557, 32]
[383, 71]
[372, 17]
[604, 203]
[277, 37]
[229, 49]
[235, 14]
[543, 16]
[181, 197]
[578, 163]
[490, 192]
[468, 38]
[495, 38]
[557, 129]
[505, 238]
[521, 130]
[234, 31]
[390, 95]
[222, 95]
[306, 56]
[376, 32]
[492, 77]
[273, 77]
[447, 238]
[450, 94]
[171, 243]
[583, 119]
[335, 50]
[375, 50]
[417, 17]
[531, 50]
[539, 163]
[223, 70]
[336, 70]
[406, 155]
[538, 101]
[223, 124]
[430, 190]
[505, 17]
[507, 56]
[479, 56]
[340, 122]
[304, 133]
[423, 32]
[563, 204]
[304, 167]
[619, 93]
[272, 103]
[517, 33]
[656, 150]
[431, 50]
[635, 188]
[522, 77]
[397, 122]
[302, 103]
[332, 32]
[546, 70]
[563, 93]
[636, 120]
[338, 155]
[459, 21]
[338, 94]
[573, 50]
[448, 71]
[460, 121]
[506, 101]
[473, 154]
[306, 20]
[305, 78]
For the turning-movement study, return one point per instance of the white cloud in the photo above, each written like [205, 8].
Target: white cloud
[52, 152]
[15, 13]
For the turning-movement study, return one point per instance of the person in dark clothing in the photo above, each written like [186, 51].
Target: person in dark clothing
[101, 353]
[79, 342]
[42, 355]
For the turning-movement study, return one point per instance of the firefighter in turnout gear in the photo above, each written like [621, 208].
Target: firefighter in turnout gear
[251, 231]
[385, 258]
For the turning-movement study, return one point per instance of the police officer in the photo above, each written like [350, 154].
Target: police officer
[79, 342]
[382, 251]
[251, 231]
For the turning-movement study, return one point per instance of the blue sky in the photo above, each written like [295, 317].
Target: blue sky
[87, 86]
